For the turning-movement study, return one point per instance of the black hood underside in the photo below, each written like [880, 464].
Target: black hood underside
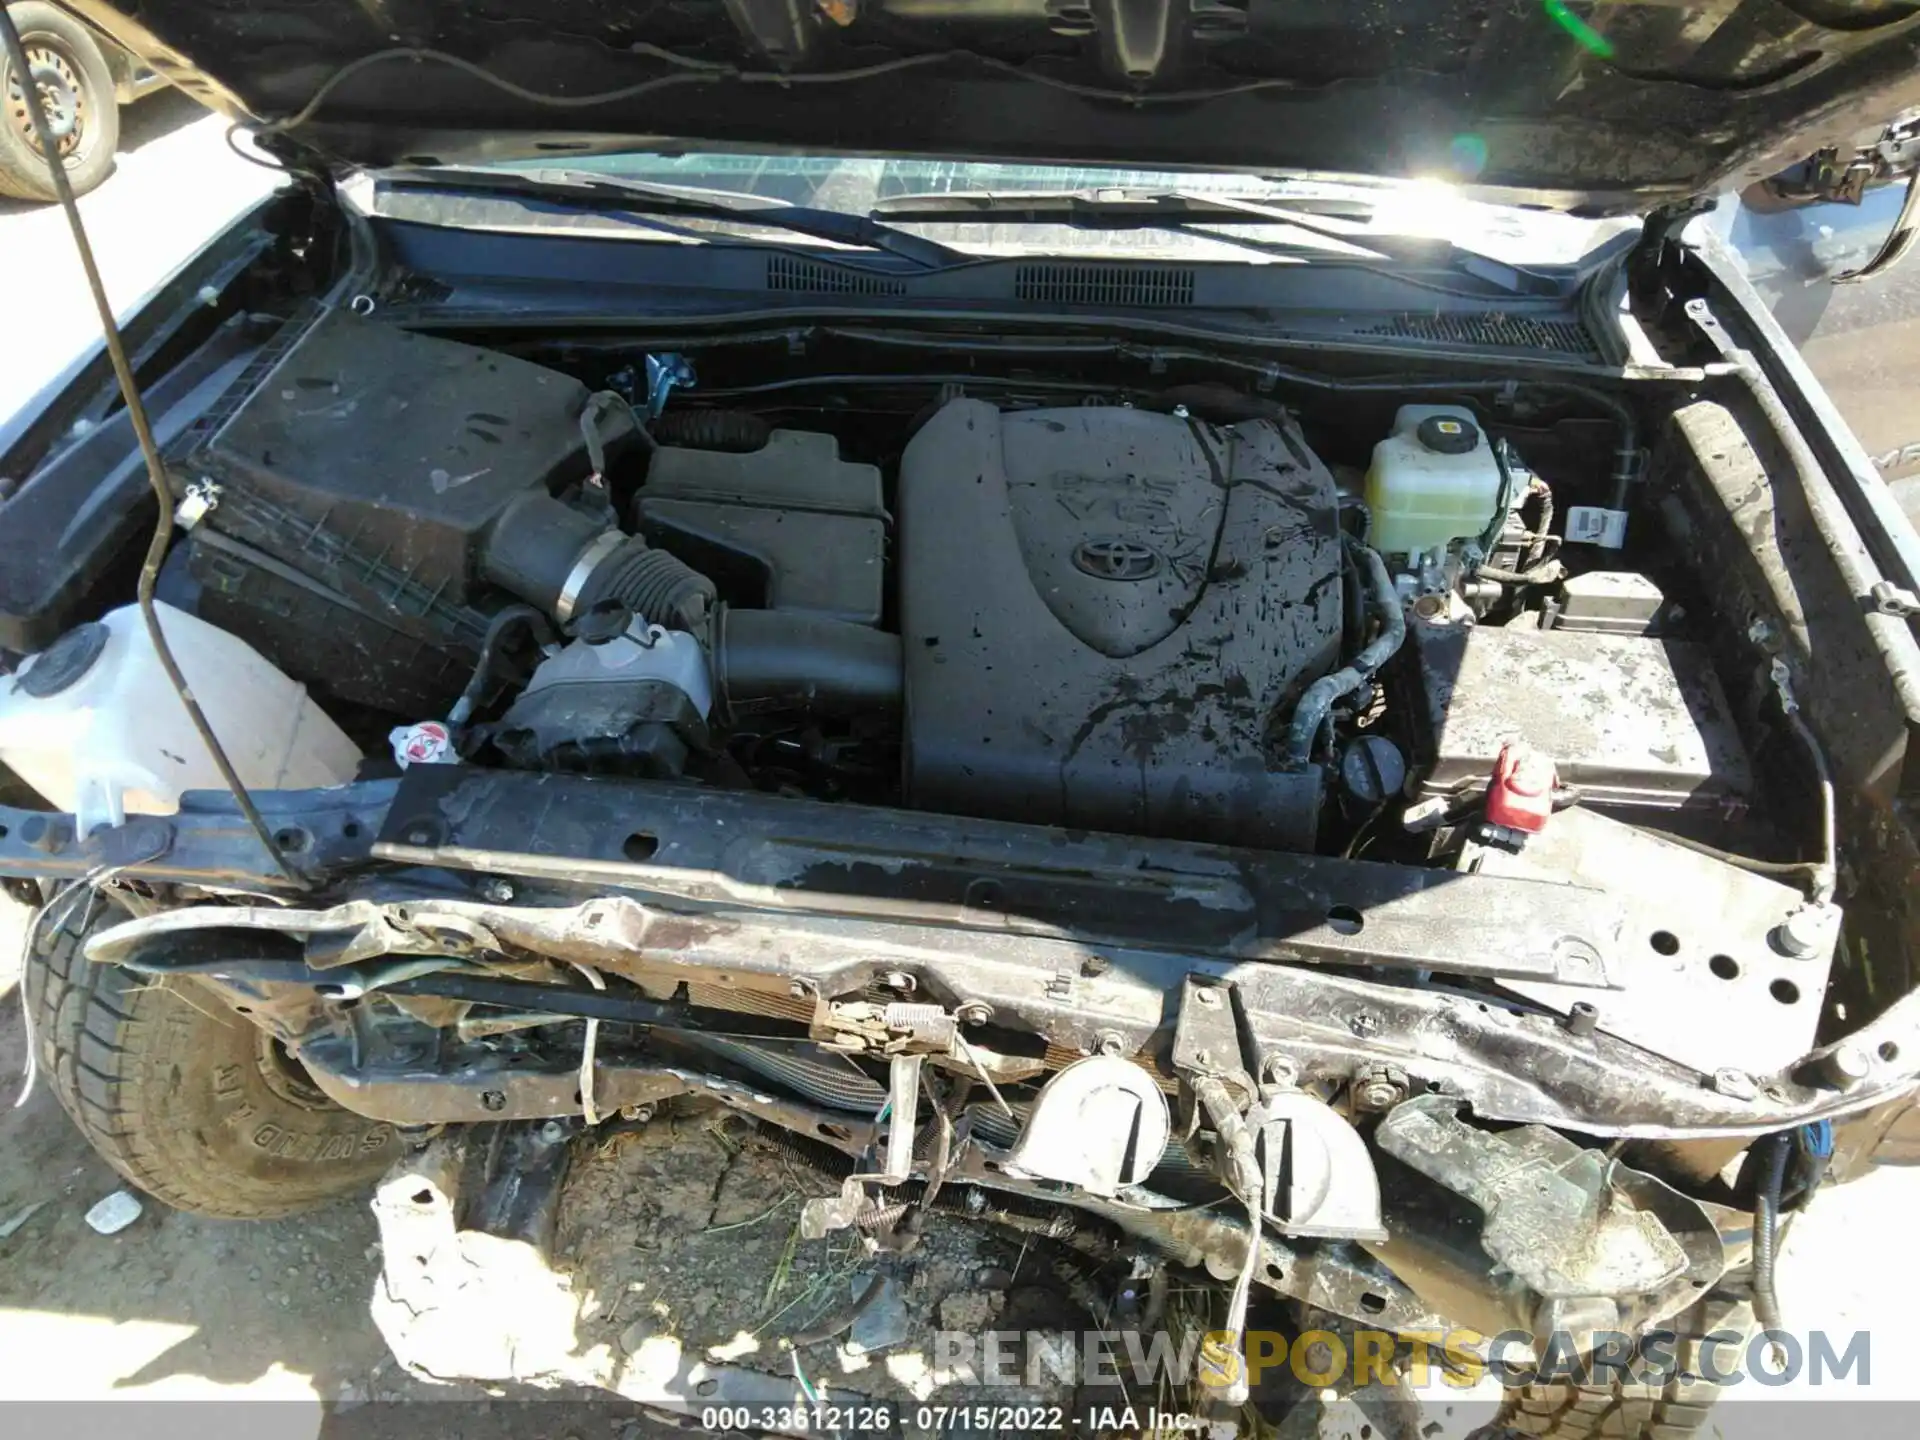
[1581, 106]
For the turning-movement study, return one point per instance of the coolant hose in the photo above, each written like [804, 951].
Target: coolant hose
[1311, 713]
[777, 659]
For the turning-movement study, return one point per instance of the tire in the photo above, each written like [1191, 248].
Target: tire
[189, 1101]
[66, 59]
[1620, 1410]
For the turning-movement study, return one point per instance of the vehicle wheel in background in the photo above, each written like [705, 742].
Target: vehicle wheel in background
[188, 1100]
[67, 69]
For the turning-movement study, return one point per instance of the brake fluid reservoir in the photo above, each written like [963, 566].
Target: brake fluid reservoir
[1433, 480]
[93, 724]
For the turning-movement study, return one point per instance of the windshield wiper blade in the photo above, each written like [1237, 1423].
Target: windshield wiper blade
[615, 194]
[1121, 209]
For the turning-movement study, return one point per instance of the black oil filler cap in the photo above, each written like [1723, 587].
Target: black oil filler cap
[1447, 435]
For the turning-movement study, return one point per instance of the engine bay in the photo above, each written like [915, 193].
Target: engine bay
[1351, 790]
[1106, 615]
[1193, 613]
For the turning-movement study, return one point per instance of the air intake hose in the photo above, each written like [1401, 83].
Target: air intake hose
[566, 561]
[776, 659]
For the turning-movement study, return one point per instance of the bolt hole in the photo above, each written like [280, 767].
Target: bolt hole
[1888, 1051]
[1725, 966]
[1785, 991]
[243, 1010]
[1664, 942]
[708, 1387]
[330, 991]
[292, 840]
[351, 829]
[423, 1197]
[1345, 920]
[640, 847]
[1373, 1304]
[1276, 1271]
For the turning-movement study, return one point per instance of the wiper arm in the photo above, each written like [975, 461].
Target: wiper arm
[1122, 209]
[614, 194]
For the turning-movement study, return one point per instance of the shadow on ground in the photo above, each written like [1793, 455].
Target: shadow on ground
[144, 121]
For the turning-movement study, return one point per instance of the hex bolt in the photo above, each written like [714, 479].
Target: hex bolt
[1846, 1065]
[1376, 1095]
[798, 990]
[974, 1013]
[1808, 932]
[553, 1132]
[1582, 1017]
[492, 1100]
[899, 980]
[1380, 1087]
[1108, 1042]
[1280, 1070]
[1095, 965]
[500, 892]
[639, 1114]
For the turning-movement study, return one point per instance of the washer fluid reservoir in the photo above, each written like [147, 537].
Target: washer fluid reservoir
[1433, 481]
[93, 724]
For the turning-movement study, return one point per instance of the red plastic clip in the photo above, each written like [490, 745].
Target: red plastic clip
[1520, 795]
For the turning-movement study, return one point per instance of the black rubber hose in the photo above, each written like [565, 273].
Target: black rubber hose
[774, 659]
[503, 620]
[1311, 713]
[734, 430]
[1543, 527]
[566, 562]
[1766, 1220]
[659, 587]
[533, 547]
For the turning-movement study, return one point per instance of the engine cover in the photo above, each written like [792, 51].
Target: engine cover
[1102, 610]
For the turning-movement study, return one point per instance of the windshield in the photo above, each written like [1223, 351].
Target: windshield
[853, 185]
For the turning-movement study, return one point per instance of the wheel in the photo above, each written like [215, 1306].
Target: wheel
[1620, 1410]
[66, 67]
[188, 1100]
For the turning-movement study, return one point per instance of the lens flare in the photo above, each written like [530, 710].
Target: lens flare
[1580, 30]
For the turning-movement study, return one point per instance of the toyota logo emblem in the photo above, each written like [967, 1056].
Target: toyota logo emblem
[1114, 559]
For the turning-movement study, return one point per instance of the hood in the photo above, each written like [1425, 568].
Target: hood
[1593, 108]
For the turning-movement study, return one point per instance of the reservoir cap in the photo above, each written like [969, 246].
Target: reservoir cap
[63, 662]
[1447, 434]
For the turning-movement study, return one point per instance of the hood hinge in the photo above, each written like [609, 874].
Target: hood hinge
[1647, 263]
